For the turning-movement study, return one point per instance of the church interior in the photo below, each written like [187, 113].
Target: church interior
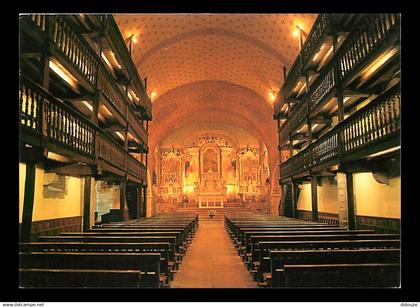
[209, 150]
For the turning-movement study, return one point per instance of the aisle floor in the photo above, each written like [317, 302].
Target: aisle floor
[212, 262]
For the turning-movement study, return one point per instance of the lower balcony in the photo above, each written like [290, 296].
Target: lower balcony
[74, 143]
[369, 132]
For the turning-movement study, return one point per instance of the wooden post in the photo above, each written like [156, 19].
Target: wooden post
[86, 203]
[122, 196]
[314, 198]
[145, 200]
[350, 202]
[28, 202]
[139, 202]
[284, 73]
[294, 200]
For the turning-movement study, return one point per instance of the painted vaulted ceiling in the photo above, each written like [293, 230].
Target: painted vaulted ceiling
[206, 69]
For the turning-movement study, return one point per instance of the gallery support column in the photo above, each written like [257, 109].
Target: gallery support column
[28, 202]
[86, 203]
[346, 209]
[144, 189]
[314, 198]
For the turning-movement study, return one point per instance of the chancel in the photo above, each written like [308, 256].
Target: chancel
[209, 150]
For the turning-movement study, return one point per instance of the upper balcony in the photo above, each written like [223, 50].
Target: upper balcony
[79, 72]
[366, 60]
[372, 130]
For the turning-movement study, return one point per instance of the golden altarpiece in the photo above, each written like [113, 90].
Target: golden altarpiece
[210, 171]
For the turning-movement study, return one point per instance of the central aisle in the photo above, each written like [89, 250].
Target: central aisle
[212, 262]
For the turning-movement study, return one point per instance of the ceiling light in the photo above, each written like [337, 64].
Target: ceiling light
[381, 60]
[106, 60]
[88, 105]
[63, 73]
[272, 95]
[383, 152]
[152, 95]
[120, 135]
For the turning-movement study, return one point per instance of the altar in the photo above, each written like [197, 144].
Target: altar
[211, 191]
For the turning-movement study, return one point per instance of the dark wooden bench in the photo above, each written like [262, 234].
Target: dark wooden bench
[179, 241]
[72, 278]
[342, 275]
[261, 257]
[185, 237]
[287, 257]
[245, 245]
[147, 263]
[167, 256]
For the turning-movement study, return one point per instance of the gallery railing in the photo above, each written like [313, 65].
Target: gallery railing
[360, 45]
[46, 117]
[377, 122]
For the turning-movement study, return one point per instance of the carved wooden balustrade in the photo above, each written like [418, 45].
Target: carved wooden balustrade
[358, 48]
[319, 30]
[60, 32]
[317, 34]
[69, 43]
[51, 119]
[111, 90]
[375, 124]
[363, 42]
[135, 168]
[286, 168]
[121, 48]
[138, 128]
[284, 132]
[46, 120]
[299, 114]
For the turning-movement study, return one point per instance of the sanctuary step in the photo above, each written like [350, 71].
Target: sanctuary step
[203, 213]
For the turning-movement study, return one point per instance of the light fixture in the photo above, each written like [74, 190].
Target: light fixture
[132, 95]
[383, 152]
[106, 60]
[379, 61]
[63, 73]
[120, 135]
[297, 31]
[272, 95]
[152, 95]
[88, 105]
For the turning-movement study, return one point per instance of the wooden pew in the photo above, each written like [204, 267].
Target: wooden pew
[167, 256]
[83, 278]
[342, 275]
[245, 245]
[147, 263]
[279, 259]
[255, 240]
[179, 241]
[262, 257]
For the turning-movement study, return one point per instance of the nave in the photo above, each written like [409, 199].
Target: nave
[212, 261]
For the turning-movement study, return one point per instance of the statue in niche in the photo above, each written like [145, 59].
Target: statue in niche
[210, 161]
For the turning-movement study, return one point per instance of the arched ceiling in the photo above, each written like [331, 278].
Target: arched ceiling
[245, 49]
[213, 105]
[214, 72]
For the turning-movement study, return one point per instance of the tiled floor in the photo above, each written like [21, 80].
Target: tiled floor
[212, 262]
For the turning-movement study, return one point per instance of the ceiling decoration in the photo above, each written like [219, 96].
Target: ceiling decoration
[214, 74]
[246, 49]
